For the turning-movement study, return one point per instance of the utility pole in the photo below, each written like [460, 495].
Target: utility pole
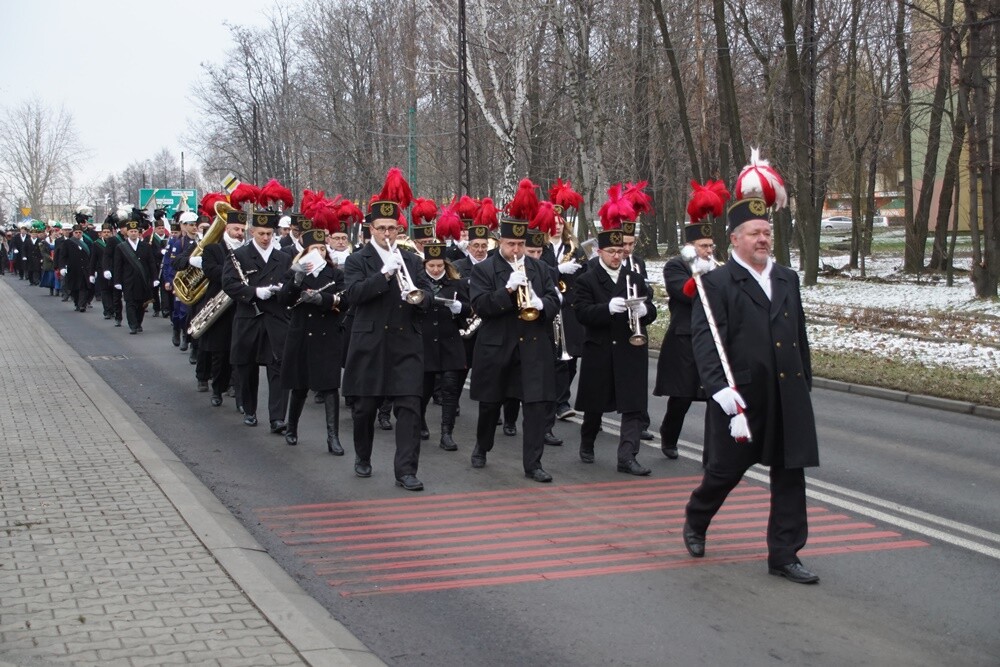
[463, 105]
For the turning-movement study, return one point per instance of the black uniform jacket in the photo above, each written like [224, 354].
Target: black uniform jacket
[219, 336]
[75, 258]
[256, 339]
[512, 358]
[444, 349]
[613, 372]
[315, 334]
[385, 356]
[768, 353]
[137, 283]
[676, 374]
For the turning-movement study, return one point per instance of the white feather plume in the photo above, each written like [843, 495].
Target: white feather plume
[83, 209]
[123, 212]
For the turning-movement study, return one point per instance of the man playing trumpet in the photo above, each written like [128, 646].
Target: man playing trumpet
[614, 306]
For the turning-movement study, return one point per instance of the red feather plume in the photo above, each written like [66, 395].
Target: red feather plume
[396, 189]
[207, 204]
[616, 209]
[348, 213]
[244, 192]
[466, 208]
[561, 194]
[641, 202]
[324, 215]
[449, 224]
[486, 216]
[545, 218]
[707, 200]
[309, 200]
[275, 192]
[424, 210]
[524, 205]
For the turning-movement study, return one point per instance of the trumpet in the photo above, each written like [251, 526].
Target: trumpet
[525, 295]
[632, 297]
[414, 296]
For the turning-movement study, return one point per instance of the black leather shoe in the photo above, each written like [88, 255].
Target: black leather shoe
[216, 400]
[645, 435]
[669, 452]
[118, 323]
[320, 397]
[291, 438]
[410, 483]
[139, 328]
[552, 440]
[250, 420]
[132, 332]
[794, 572]
[362, 468]
[202, 386]
[694, 542]
[538, 475]
[424, 433]
[510, 429]
[633, 467]
[175, 338]
[384, 423]
[447, 443]
[478, 457]
[334, 447]
[278, 426]
[587, 455]
[565, 412]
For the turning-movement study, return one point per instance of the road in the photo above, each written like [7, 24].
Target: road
[488, 568]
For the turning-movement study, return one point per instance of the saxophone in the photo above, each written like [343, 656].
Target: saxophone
[213, 308]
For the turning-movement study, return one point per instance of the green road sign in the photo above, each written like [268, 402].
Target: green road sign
[169, 199]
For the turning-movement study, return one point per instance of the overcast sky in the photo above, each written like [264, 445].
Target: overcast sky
[146, 53]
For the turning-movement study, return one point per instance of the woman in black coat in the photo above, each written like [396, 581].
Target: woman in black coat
[313, 346]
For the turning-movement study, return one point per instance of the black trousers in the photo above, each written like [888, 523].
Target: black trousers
[565, 372]
[628, 440]
[532, 431]
[450, 386]
[407, 411]
[249, 379]
[787, 528]
[135, 311]
[116, 303]
[673, 420]
[216, 367]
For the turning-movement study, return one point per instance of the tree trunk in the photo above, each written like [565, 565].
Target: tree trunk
[913, 254]
[940, 257]
[646, 241]
[729, 110]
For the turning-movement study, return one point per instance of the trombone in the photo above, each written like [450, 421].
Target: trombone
[633, 299]
[525, 295]
[414, 296]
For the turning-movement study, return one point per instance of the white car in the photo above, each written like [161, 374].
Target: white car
[835, 222]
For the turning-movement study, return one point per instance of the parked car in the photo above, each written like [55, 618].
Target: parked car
[880, 221]
[835, 222]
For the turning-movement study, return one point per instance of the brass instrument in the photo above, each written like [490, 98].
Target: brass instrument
[209, 313]
[632, 297]
[472, 327]
[525, 295]
[414, 296]
[560, 335]
[190, 283]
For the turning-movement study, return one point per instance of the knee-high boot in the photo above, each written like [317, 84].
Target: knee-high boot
[296, 401]
[331, 402]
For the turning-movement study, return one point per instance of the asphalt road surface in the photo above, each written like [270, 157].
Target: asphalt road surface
[488, 568]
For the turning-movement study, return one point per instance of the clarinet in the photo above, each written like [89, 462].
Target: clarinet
[239, 271]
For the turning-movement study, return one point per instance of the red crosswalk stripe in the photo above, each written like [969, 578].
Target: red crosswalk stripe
[510, 536]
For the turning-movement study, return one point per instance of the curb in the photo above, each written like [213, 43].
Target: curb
[308, 627]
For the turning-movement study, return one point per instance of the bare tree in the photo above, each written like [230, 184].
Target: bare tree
[39, 148]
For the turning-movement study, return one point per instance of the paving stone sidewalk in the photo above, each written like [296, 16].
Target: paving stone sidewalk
[97, 564]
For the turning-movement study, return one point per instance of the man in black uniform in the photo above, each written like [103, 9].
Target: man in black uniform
[134, 273]
[260, 323]
[635, 264]
[102, 286]
[115, 220]
[676, 374]
[74, 268]
[385, 356]
[615, 361]
[516, 299]
[758, 310]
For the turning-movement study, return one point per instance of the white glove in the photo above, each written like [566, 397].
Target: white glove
[462, 245]
[17, 252]
[196, 261]
[118, 287]
[93, 279]
[402, 296]
[107, 275]
[536, 302]
[569, 268]
[62, 272]
[640, 310]
[729, 399]
[516, 279]
[617, 305]
[298, 267]
[455, 307]
[264, 293]
[391, 265]
[156, 283]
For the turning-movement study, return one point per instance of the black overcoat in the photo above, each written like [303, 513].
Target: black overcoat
[385, 356]
[137, 284]
[315, 333]
[613, 372]
[257, 339]
[676, 373]
[444, 348]
[75, 258]
[769, 356]
[504, 339]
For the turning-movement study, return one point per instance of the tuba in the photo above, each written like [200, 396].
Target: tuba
[190, 283]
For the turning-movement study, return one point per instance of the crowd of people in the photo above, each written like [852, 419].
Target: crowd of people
[506, 298]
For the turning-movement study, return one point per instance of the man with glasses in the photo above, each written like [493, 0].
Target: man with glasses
[676, 374]
[385, 357]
